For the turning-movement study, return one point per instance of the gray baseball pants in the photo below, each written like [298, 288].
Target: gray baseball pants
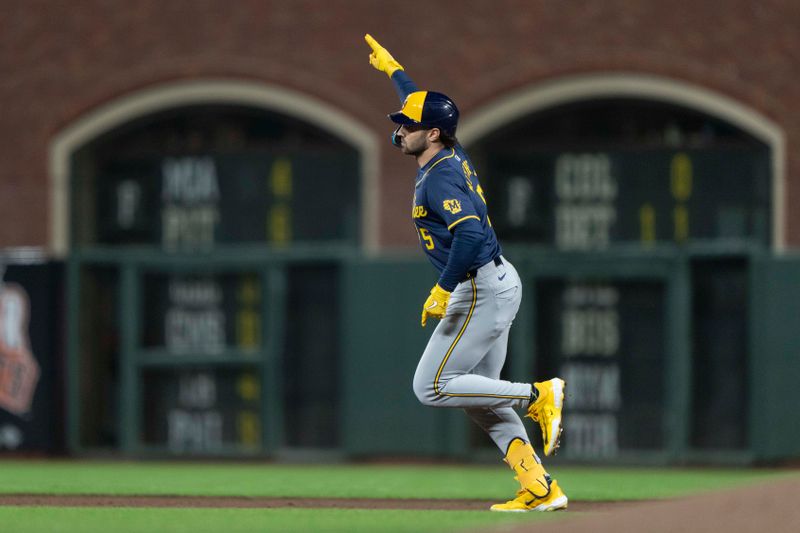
[462, 362]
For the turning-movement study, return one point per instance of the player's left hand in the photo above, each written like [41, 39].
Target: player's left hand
[380, 58]
[436, 304]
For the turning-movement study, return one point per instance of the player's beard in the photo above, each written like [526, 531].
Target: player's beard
[416, 146]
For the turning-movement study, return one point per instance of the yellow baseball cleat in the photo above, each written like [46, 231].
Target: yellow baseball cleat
[538, 492]
[553, 500]
[547, 411]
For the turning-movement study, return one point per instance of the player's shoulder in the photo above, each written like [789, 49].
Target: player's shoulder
[460, 163]
[450, 166]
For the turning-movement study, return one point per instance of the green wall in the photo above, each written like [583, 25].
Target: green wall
[380, 340]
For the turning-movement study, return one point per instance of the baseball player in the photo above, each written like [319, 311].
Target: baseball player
[476, 297]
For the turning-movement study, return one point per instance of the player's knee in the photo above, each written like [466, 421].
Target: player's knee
[424, 390]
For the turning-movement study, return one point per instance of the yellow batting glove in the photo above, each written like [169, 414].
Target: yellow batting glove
[380, 58]
[436, 304]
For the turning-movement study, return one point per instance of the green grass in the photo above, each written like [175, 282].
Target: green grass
[360, 481]
[119, 520]
[378, 481]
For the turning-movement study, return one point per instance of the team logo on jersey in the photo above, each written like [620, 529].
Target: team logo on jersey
[419, 212]
[454, 206]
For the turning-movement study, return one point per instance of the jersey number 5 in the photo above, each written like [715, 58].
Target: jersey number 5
[426, 236]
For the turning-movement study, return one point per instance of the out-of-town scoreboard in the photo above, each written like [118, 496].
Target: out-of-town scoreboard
[607, 335]
[593, 200]
[200, 342]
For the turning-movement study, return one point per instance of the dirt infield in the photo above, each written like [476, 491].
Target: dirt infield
[771, 508]
[42, 500]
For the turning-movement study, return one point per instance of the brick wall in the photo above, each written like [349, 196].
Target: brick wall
[60, 59]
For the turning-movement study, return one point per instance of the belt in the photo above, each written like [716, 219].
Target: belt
[474, 272]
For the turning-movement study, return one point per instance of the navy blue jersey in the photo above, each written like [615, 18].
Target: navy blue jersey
[447, 193]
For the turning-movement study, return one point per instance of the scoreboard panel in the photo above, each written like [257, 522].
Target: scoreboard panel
[202, 410]
[592, 199]
[194, 202]
[208, 343]
[607, 339]
[195, 314]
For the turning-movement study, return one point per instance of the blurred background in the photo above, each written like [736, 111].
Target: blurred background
[207, 249]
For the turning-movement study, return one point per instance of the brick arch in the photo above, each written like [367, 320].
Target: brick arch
[510, 107]
[113, 114]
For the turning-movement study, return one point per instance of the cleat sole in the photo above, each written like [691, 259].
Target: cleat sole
[559, 504]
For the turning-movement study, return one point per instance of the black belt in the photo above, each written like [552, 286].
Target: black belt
[472, 273]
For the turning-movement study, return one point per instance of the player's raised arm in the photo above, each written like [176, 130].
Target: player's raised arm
[382, 60]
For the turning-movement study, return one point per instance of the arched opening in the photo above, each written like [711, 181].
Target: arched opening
[122, 116]
[589, 162]
[629, 164]
[175, 352]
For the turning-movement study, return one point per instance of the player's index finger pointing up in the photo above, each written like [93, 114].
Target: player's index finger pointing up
[372, 42]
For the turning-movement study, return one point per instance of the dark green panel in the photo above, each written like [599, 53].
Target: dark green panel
[97, 330]
[382, 344]
[310, 358]
[775, 365]
[720, 336]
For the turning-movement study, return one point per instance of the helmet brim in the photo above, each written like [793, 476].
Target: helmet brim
[399, 118]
